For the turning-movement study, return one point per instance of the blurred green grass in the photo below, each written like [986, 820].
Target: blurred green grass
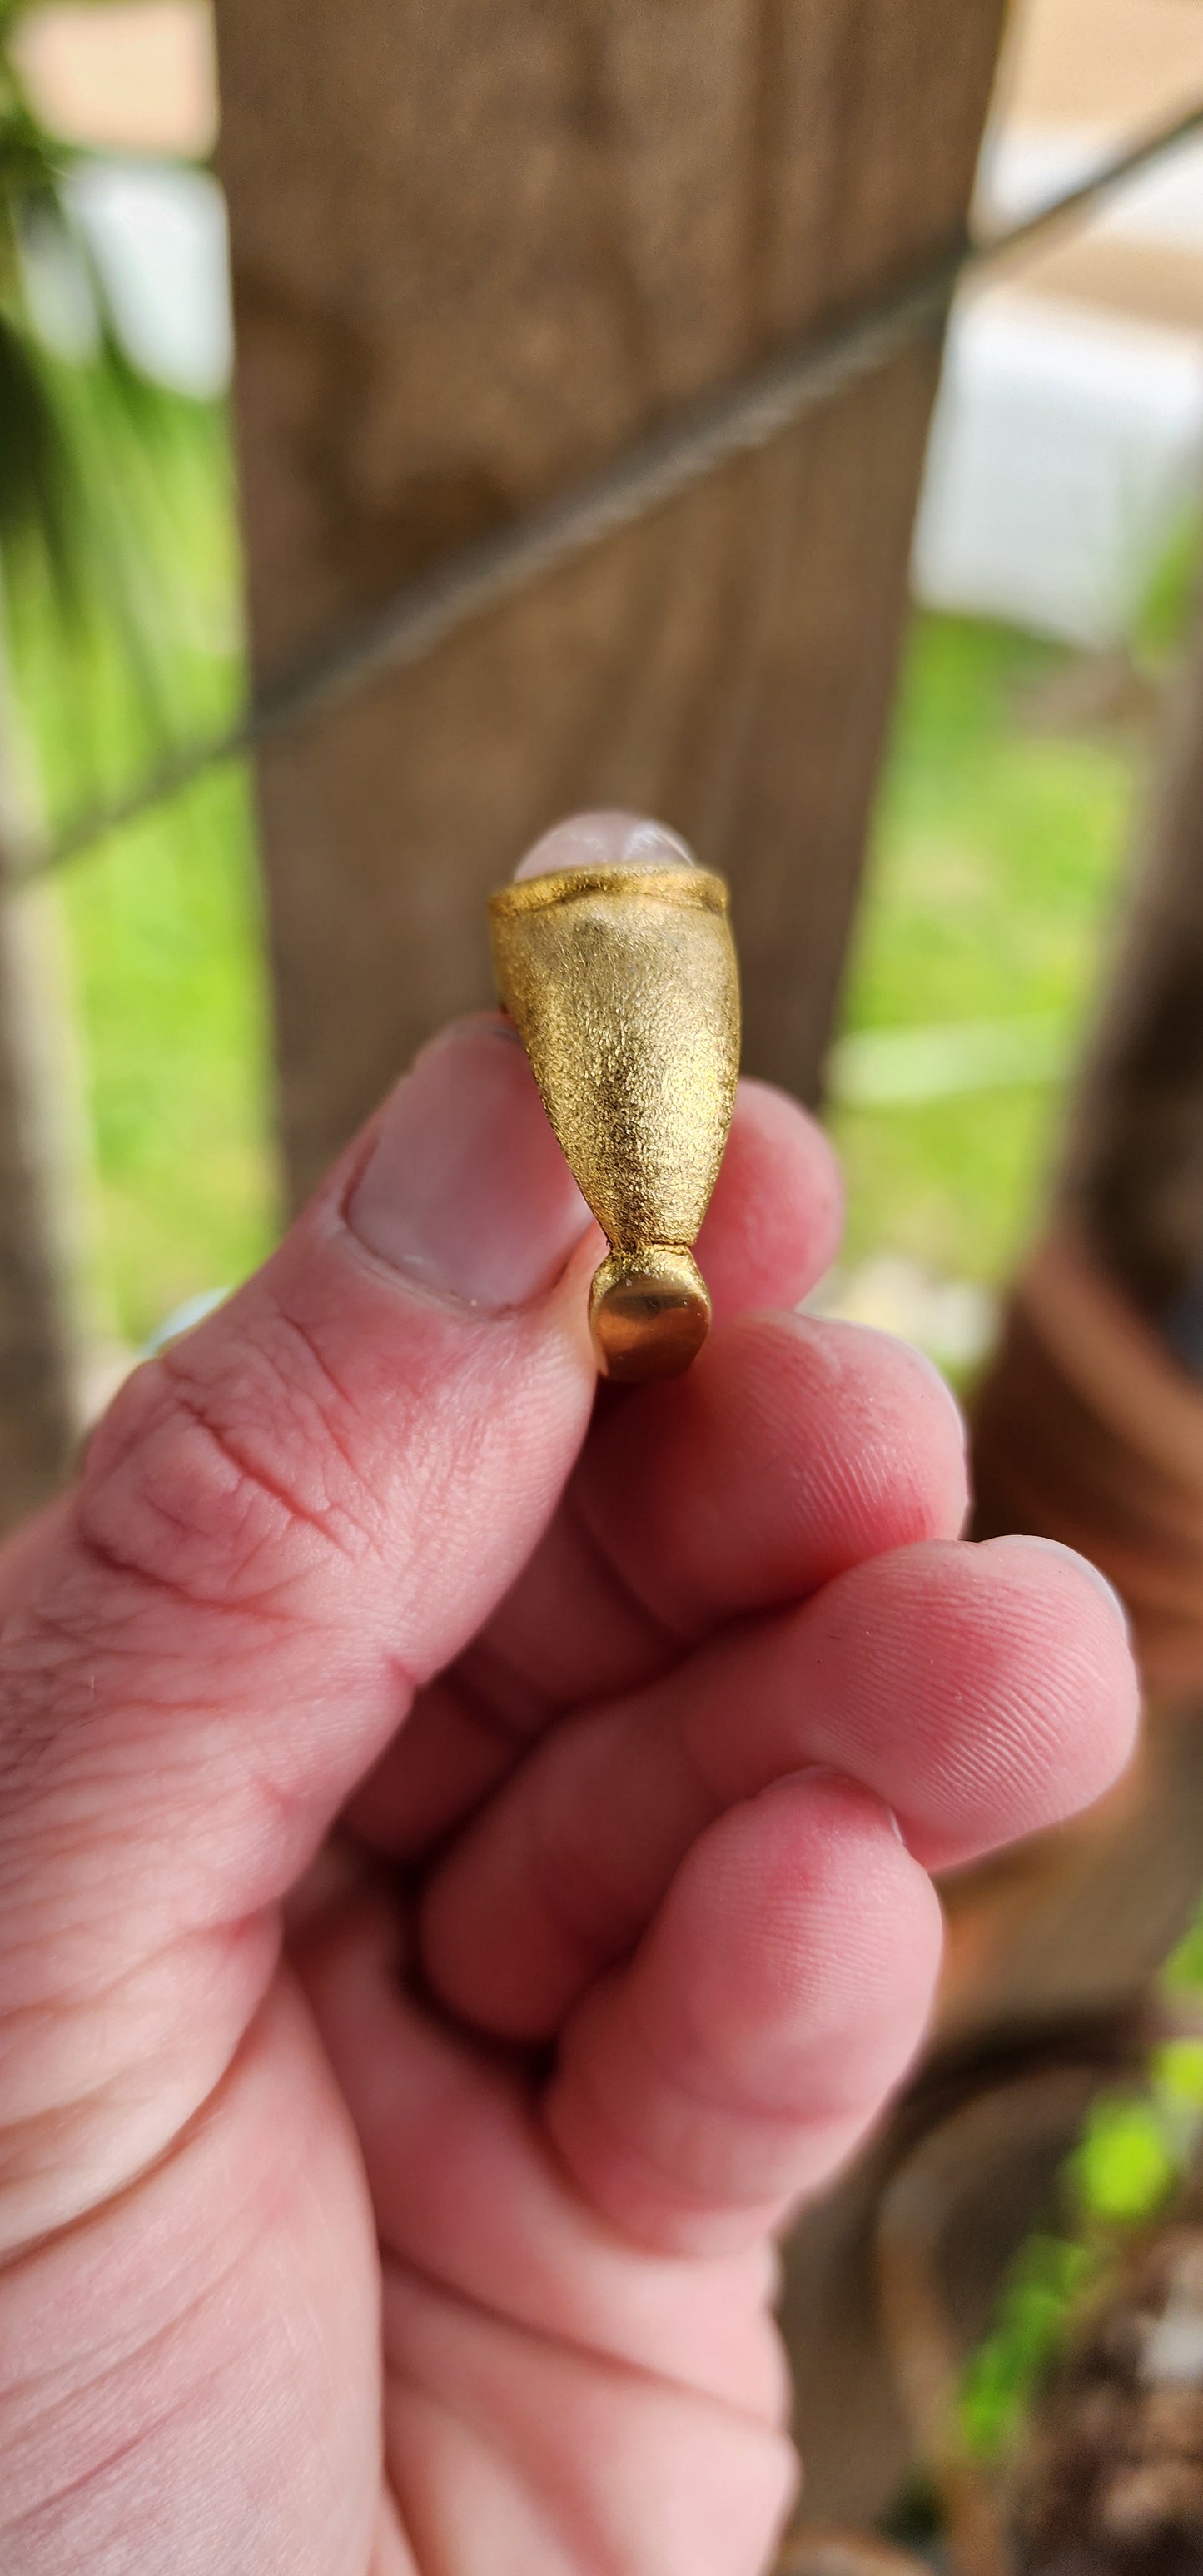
[165, 945]
[162, 920]
[997, 846]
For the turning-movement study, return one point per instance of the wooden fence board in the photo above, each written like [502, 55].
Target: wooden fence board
[1134, 1181]
[38, 1360]
[39, 1175]
[475, 249]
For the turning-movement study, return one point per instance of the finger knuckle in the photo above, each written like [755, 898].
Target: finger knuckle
[228, 1483]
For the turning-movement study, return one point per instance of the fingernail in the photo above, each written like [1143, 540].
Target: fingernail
[608, 839]
[1071, 1556]
[467, 1191]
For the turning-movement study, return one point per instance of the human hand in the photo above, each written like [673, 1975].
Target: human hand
[592, 1759]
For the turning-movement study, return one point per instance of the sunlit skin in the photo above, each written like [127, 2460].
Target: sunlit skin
[463, 1875]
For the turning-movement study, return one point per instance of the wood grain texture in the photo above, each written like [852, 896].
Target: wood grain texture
[474, 250]
[1134, 1173]
[38, 1419]
[39, 1170]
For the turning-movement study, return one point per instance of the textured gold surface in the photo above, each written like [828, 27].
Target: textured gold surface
[624, 986]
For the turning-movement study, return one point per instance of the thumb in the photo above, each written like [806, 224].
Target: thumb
[287, 1521]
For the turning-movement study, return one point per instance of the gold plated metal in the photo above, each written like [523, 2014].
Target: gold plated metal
[624, 987]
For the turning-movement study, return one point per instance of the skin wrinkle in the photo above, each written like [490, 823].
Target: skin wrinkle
[464, 2414]
[187, 2405]
[944, 1815]
[456, 2183]
[708, 1807]
[494, 1712]
[472, 1448]
[155, 1771]
[13, 2258]
[84, 1998]
[79, 1836]
[673, 2072]
[91, 2126]
[308, 1414]
[253, 1481]
[663, 2167]
[721, 2101]
[667, 1637]
[108, 1559]
[217, 2278]
[487, 1689]
[183, 1893]
[621, 1597]
[942, 1633]
[50, 2010]
[91, 2477]
[402, 2378]
[460, 1436]
[972, 1763]
[877, 1474]
[133, 2356]
[766, 1338]
[57, 1640]
[561, 1873]
[294, 1328]
[563, 1883]
[592, 2352]
[273, 1791]
[627, 2153]
[866, 1474]
[460, 1464]
[440, 1485]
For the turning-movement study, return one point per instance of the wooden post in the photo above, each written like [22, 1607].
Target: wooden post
[38, 1377]
[1134, 1174]
[475, 249]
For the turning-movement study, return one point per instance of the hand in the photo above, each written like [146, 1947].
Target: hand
[592, 1759]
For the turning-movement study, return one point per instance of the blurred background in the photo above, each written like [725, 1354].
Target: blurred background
[1054, 555]
[1053, 548]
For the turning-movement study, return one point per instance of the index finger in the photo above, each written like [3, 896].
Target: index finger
[791, 1450]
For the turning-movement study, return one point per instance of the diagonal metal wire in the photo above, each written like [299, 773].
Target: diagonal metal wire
[692, 443]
